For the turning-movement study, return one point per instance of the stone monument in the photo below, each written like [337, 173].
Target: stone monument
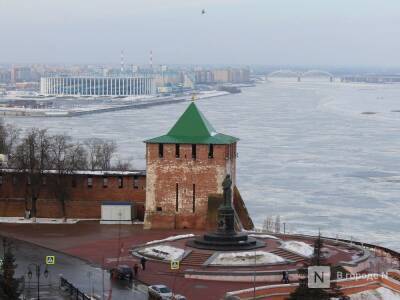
[226, 238]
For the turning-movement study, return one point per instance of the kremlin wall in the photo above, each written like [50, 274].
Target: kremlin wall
[180, 188]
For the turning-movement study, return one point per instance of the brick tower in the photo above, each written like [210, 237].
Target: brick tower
[184, 167]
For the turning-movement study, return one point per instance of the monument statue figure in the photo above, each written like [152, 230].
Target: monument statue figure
[227, 187]
[226, 238]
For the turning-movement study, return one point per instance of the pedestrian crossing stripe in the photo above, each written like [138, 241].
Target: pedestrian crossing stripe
[50, 260]
[174, 265]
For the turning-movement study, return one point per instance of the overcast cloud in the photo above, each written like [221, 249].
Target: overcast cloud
[269, 32]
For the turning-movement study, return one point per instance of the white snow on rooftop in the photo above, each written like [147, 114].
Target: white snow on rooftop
[87, 172]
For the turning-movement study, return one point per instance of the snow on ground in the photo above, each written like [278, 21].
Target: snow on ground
[246, 258]
[171, 238]
[378, 294]
[38, 220]
[264, 236]
[300, 248]
[163, 252]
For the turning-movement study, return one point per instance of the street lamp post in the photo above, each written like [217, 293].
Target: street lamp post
[38, 274]
[254, 275]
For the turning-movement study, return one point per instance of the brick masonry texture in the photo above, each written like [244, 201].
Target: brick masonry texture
[168, 174]
[84, 202]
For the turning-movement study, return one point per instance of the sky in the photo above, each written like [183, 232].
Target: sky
[247, 32]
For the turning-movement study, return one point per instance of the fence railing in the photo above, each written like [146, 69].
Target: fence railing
[74, 292]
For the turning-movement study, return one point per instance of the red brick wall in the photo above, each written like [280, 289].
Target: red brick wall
[84, 202]
[164, 173]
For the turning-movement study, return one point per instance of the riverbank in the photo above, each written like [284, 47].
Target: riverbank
[79, 107]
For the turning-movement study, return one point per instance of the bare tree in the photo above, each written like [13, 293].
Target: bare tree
[66, 158]
[9, 135]
[100, 153]
[278, 224]
[122, 165]
[32, 159]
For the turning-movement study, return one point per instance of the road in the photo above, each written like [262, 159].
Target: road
[82, 275]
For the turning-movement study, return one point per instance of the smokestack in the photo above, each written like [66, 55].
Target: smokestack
[122, 61]
[151, 60]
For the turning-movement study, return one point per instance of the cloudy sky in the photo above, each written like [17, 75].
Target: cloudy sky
[268, 32]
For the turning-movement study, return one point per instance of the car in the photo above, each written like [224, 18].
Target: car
[122, 272]
[160, 292]
[179, 297]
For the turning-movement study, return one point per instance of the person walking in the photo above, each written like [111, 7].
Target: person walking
[135, 269]
[285, 277]
[143, 263]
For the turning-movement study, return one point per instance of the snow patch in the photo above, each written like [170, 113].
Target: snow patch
[163, 252]
[378, 294]
[264, 236]
[38, 220]
[171, 238]
[246, 258]
[300, 248]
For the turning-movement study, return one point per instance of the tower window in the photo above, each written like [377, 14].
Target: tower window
[135, 182]
[90, 182]
[211, 151]
[73, 183]
[176, 197]
[1, 180]
[177, 150]
[194, 197]
[160, 150]
[105, 182]
[194, 151]
[14, 180]
[120, 182]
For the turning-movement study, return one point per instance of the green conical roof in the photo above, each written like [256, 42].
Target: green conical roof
[193, 128]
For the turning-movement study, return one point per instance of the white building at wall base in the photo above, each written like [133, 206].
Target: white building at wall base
[97, 86]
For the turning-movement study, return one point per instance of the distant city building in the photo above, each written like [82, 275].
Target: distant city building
[221, 75]
[169, 78]
[372, 78]
[135, 69]
[5, 76]
[22, 74]
[29, 86]
[238, 75]
[188, 81]
[164, 89]
[98, 86]
[204, 76]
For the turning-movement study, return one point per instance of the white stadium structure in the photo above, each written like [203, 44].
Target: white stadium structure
[97, 86]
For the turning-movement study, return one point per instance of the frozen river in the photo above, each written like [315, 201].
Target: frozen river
[307, 153]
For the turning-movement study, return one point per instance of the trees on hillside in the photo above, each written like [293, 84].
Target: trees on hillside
[32, 159]
[8, 138]
[42, 159]
[9, 286]
[65, 159]
[303, 292]
[100, 153]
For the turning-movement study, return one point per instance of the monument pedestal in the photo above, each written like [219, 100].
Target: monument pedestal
[226, 238]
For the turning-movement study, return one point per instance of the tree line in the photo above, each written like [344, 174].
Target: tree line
[37, 154]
